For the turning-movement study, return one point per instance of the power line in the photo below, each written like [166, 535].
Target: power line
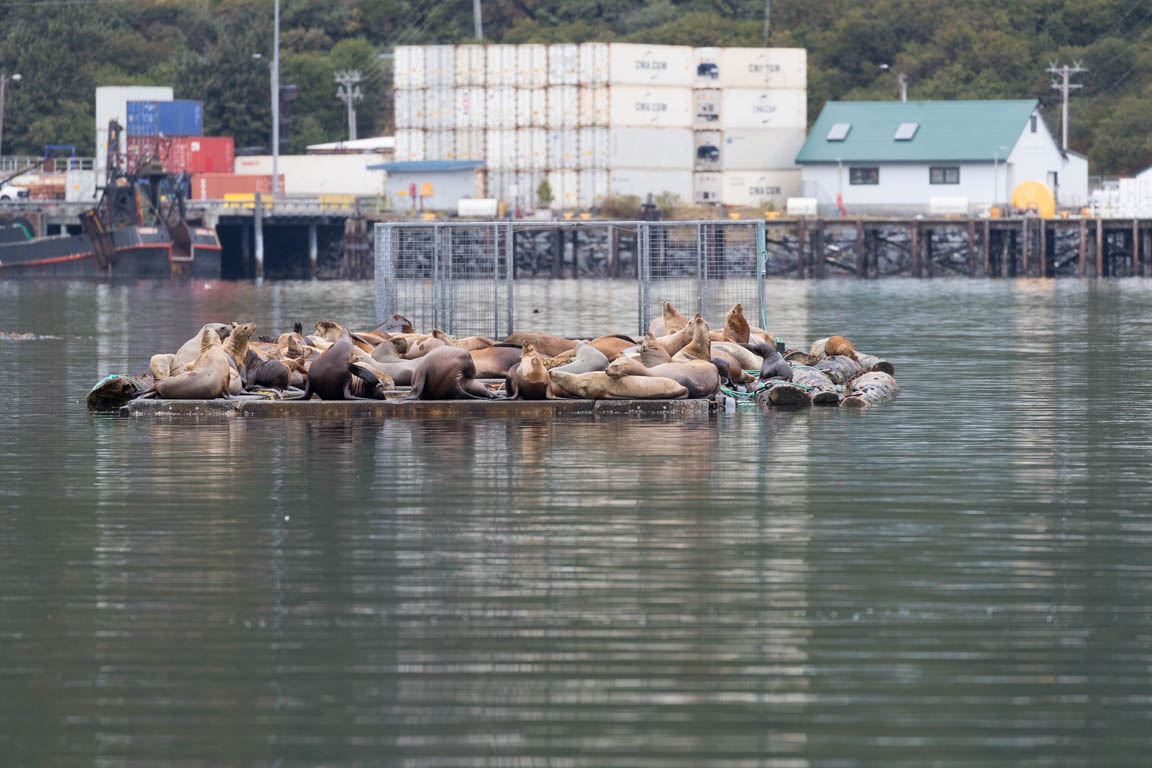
[1065, 72]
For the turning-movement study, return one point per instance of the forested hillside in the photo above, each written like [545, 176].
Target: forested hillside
[949, 49]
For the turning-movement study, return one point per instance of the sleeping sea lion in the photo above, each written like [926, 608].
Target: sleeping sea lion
[468, 343]
[736, 373]
[529, 380]
[493, 362]
[546, 344]
[587, 359]
[598, 385]
[748, 361]
[699, 377]
[700, 347]
[447, 373]
[206, 379]
[561, 359]
[838, 345]
[612, 346]
[423, 347]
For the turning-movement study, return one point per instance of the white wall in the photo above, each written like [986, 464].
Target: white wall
[1035, 155]
[320, 174]
[902, 186]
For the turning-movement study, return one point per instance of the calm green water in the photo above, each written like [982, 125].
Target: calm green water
[960, 577]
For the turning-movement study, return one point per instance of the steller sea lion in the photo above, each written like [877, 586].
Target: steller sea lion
[700, 347]
[675, 342]
[447, 373]
[586, 360]
[190, 350]
[262, 371]
[547, 345]
[736, 328]
[612, 346]
[669, 321]
[598, 385]
[493, 362]
[529, 380]
[330, 375]
[699, 377]
[775, 367]
[205, 380]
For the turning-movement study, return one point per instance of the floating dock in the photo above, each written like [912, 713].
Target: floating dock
[421, 409]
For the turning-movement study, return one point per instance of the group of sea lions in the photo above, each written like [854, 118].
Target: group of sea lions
[679, 357]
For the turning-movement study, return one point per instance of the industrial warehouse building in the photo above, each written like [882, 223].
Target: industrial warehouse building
[708, 125]
[917, 156]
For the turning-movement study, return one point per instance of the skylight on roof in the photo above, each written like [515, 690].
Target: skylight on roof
[839, 131]
[906, 131]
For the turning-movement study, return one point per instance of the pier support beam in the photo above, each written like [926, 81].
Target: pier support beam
[1024, 249]
[1083, 253]
[914, 249]
[971, 248]
[1135, 248]
[312, 255]
[1099, 248]
[258, 223]
[1006, 253]
[802, 249]
[861, 257]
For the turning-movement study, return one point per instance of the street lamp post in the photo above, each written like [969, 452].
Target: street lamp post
[3, 82]
[276, 102]
[901, 79]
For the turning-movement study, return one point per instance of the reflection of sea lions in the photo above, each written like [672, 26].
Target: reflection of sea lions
[529, 380]
[208, 376]
[598, 385]
[447, 373]
[587, 359]
[700, 347]
[545, 344]
[699, 377]
[493, 362]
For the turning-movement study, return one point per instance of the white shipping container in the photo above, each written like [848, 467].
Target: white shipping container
[439, 104]
[531, 149]
[409, 145]
[706, 108]
[593, 67]
[593, 187]
[501, 65]
[470, 144]
[80, 186]
[758, 188]
[593, 148]
[500, 149]
[496, 183]
[777, 68]
[565, 189]
[707, 63]
[563, 149]
[410, 108]
[471, 65]
[563, 106]
[661, 65]
[440, 66]
[527, 182]
[408, 67]
[112, 104]
[707, 188]
[656, 107]
[320, 174]
[440, 145]
[501, 111]
[531, 66]
[668, 148]
[469, 107]
[531, 107]
[646, 181]
[563, 64]
[707, 146]
[762, 108]
[594, 105]
[766, 149]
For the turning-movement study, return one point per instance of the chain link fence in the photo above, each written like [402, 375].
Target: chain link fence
[461, 277]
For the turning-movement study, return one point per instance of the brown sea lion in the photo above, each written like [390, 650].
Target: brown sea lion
[586, 359]
[262, 371]
[748, 360]
[330, 374]
[529, 379]
[493, 362]
[423, 347]
[651, 353]
[736, 326]
[736, 373]
[468, 343]
[160, 366]
[206, 379]
[669, 322]
[447, 373]
[612, 346]
[388, 359]
[190, 350]
[598, 385]
[395, 324]
[673, 343]
[700, 347]
[699, 377]
[546, 344]
[561, 359]
[838, 345]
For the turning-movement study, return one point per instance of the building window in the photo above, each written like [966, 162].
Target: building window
[1033, 123]
[863, 175]
[949, 174]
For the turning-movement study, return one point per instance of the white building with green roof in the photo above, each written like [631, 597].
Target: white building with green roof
[895, 157]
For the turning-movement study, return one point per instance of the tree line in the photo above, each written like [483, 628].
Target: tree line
[984, 49]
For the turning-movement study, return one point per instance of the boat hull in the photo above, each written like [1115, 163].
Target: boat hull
[139, 253]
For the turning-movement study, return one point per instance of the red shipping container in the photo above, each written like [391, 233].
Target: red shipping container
[213, 186]
[195, 154]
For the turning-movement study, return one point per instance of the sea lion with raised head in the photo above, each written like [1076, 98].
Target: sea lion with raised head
[700, 345]
[669, 322]
[206, 379]
[546, 344]
[447, 373]
[775, 368]
[529, 379]
[190, 350]
[673, 343]
[587, 359]
[736, 328]
[700, 377]
[598, 385]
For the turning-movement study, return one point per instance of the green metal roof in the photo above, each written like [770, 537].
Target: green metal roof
[947, 130]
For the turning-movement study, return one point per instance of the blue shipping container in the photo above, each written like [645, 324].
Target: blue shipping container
[141, 118]
[180, 118]
[165, 118]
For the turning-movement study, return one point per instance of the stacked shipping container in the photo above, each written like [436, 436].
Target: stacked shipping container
[708, 125]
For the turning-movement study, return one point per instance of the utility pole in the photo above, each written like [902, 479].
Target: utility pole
[1064, 72]
[349, 93]
[767, 20]
[477, 20]
[3, 82]
[276, 102]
